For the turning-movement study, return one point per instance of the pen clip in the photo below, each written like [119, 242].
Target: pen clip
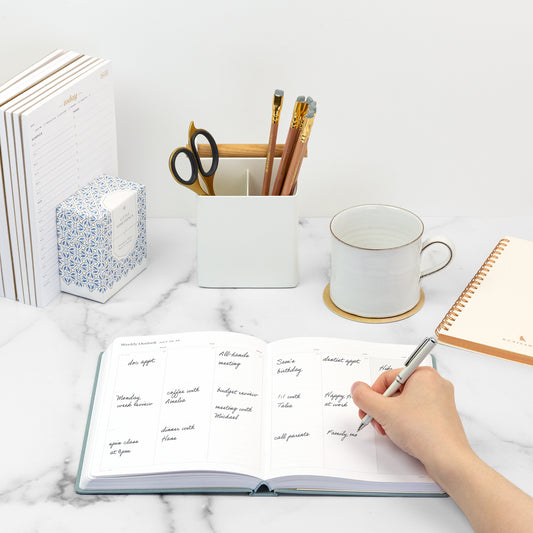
[425, 342]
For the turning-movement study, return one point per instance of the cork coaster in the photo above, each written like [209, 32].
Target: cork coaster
[328, 301]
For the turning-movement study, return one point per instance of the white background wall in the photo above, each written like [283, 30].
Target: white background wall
[421, 103]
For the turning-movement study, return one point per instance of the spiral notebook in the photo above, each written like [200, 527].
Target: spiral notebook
[494, 314]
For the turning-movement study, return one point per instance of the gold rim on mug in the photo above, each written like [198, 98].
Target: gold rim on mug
[377, 205]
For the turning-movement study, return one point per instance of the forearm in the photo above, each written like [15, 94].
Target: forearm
[490, 502]
[423, 421]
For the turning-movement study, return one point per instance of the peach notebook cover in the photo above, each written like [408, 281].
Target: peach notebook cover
[494, 314]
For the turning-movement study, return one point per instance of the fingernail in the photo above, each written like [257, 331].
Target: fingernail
[354, 386]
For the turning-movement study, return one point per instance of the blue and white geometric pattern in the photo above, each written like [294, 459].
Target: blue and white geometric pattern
[84, 235]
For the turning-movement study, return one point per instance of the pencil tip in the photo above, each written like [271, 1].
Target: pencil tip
[361, 426]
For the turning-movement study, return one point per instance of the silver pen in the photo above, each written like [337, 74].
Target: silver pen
[411, 364]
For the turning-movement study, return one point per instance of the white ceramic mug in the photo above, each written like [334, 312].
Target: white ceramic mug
[376, 257]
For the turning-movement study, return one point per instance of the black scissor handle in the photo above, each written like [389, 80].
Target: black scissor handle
[214, 152]
[192, 160]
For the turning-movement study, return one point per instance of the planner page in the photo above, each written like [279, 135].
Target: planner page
[17, 106]
[11, 239]
[69, 139]
[312, 423]
[12, 175]
[180, 402]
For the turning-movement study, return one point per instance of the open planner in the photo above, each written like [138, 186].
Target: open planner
[57, 133]
[227, 412]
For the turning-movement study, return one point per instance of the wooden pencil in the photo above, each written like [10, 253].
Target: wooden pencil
[276, 108]
[289, 184]
[300, 108]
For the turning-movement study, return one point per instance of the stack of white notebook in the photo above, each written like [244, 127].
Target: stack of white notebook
[57, 133]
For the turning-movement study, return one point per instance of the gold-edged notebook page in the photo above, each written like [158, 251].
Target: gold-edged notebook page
[494, 314]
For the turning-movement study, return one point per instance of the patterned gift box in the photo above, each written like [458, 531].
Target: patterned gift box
[101, 234]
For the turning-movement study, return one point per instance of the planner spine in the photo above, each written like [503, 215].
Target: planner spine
[471, 288]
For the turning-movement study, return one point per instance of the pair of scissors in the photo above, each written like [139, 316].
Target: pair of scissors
[191, 153]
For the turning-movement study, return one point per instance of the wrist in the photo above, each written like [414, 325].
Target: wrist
[450, 466]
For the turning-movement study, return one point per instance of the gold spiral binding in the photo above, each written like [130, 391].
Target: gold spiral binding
[471, 288]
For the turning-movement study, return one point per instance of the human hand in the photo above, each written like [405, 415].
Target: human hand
[421, 418]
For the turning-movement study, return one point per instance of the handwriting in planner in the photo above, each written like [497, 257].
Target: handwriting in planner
[228, 391]
[118, 448]
[231, 406]
[131, 400]
[336, 399]
[340, 435]
[288, 400]
[179, 395]
[142, 362]
[232, 358]
[170, 433]
[287, 365]
[231, 412]
[341, 359]
[287, 437]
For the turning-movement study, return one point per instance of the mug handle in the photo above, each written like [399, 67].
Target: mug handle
[438, 266]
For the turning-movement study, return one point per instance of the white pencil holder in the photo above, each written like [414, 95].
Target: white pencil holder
[245, 239]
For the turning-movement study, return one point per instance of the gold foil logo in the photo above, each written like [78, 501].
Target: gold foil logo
[70, 99]
[520, 341]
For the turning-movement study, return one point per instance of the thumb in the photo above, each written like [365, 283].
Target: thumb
[370, 401]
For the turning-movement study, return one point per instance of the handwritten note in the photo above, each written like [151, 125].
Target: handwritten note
[313, 420]
[231, 402]
[195, 399]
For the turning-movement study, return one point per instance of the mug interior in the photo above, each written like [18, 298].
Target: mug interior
[376, 227]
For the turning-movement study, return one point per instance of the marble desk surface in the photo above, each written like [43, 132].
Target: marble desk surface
[48, 358]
